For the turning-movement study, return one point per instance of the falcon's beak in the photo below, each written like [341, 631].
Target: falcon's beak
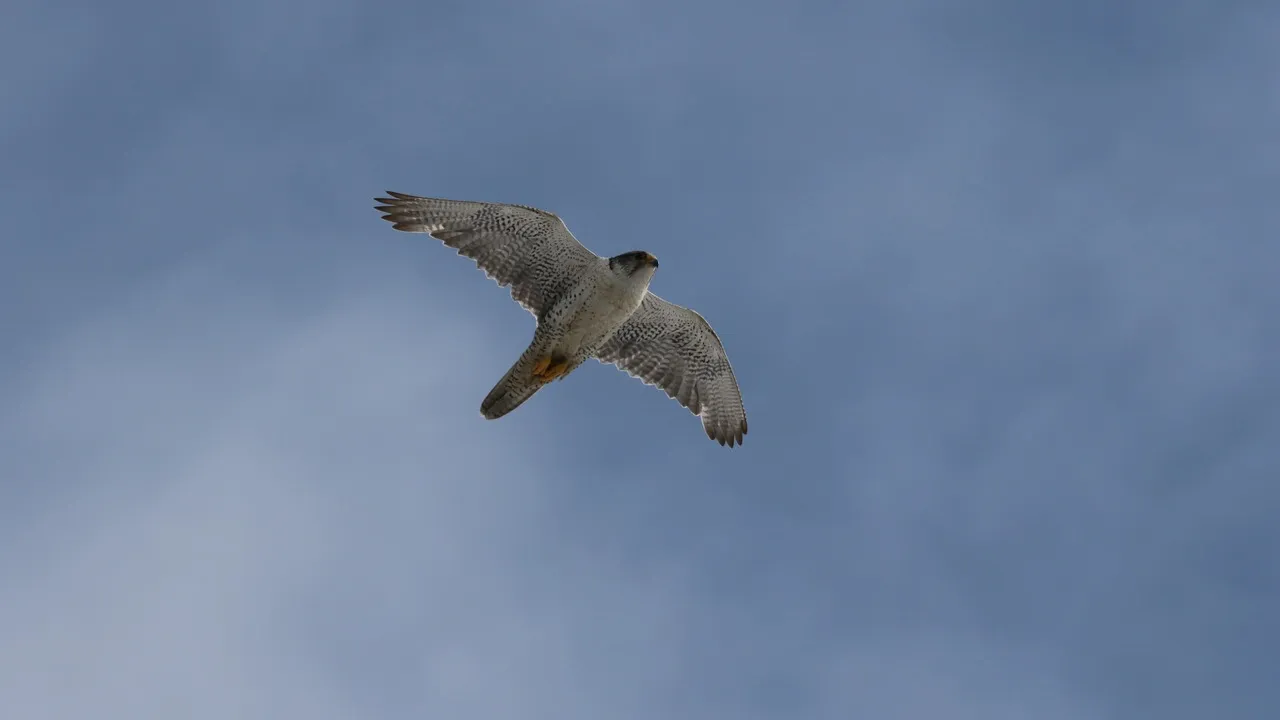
[650, 260]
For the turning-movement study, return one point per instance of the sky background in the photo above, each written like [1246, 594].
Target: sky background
[998, 280]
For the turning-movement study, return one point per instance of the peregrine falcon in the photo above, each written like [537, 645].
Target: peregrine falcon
[585, 305]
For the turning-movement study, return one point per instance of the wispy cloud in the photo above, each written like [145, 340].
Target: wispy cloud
[996, 281]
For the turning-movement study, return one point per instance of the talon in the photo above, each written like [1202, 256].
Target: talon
[557, 369]
[550, 368]
[541, 366]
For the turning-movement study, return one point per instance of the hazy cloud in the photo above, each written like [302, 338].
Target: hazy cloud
[997, 281]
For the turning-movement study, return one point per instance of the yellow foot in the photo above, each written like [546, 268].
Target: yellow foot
[550, 367]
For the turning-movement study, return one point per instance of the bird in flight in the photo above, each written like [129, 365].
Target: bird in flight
[585, 305]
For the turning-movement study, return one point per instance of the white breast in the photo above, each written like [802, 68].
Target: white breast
[604, 310]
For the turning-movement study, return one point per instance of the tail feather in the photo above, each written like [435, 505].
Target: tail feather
[517, 386]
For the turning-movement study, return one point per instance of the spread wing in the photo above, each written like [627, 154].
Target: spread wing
[527, 249]
[673, 348]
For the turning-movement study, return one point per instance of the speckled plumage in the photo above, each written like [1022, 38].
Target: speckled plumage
[586, 306]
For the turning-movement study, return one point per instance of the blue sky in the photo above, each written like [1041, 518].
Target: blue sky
[997, 280]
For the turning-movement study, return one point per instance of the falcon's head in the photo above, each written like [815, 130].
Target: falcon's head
[631, 263]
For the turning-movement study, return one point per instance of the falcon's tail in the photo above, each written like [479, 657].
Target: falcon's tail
[518, 385]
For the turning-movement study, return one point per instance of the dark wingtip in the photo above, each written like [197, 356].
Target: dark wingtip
[726, 437]
[393, 198]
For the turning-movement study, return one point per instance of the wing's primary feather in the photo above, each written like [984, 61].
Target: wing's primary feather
[675, 349]
[524, 248]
